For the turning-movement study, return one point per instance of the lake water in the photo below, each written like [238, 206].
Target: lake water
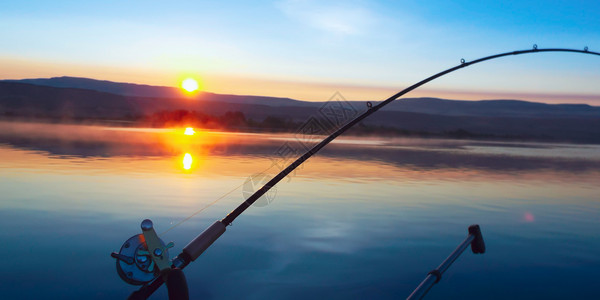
[366, 218]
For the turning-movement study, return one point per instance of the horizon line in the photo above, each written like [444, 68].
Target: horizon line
[435, 93]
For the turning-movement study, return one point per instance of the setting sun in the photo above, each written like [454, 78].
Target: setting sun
[190, 85]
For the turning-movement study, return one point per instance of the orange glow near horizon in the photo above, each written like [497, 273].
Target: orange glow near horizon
[165, 153]
[306, 89]
[303, 88]
[187, 161]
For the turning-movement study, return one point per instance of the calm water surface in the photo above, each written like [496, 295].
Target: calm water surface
[366, 218]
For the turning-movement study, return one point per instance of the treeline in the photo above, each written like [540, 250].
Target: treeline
[197, 119]
[237, 121]
[229, 120]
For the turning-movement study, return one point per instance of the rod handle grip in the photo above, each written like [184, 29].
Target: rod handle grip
[198, 245]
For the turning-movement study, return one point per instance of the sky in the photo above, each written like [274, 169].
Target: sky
[308, 50]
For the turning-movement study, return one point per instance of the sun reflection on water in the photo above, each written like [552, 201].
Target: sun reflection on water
[187, 161]
[189, 131]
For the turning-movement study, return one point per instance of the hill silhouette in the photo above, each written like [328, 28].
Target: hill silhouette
[80, 99]
[508, 107]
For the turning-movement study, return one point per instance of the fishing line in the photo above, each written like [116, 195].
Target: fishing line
[200, 210]
[209, 205]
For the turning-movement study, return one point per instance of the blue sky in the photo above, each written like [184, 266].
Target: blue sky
[310, 49]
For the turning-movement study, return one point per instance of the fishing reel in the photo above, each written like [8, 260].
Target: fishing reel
[143, 257]
[144, 260]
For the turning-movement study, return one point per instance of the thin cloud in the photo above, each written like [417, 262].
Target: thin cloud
[337, 17]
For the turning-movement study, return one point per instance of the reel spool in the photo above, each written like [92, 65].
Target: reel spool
[143, 257]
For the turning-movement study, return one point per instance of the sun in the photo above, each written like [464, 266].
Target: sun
[189, 131]
[190, 85]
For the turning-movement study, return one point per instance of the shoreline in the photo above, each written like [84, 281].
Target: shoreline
[355, 132]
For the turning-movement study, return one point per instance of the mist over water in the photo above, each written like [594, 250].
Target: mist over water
[365, 218]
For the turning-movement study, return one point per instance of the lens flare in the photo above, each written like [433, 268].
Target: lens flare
[189, 131]
[190, 85]
[187, 161]
[529, 217]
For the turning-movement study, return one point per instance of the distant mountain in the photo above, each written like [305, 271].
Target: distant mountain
[81, 98]
[492, 108]
[117, 88]
[149, 91]
[436, 106]
[30, 100]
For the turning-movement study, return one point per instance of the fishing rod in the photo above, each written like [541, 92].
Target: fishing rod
[143, 259]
